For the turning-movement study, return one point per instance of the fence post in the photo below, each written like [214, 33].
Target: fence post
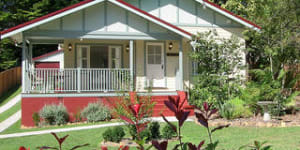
[78, 80]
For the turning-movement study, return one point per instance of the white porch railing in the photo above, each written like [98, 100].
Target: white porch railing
[77, 80]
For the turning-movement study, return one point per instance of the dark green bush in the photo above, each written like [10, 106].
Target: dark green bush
[154, 129]
[168, 132]
[146, 134]
[132, 131]
[55, 114]
[114, 135]
[36, 118]
[95, 112]
[107, 135]
[118, 134]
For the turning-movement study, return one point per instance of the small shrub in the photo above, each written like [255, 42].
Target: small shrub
[78, 117]
[154, 129]
[36, 118]
[55, 114]
[114, 135]
[235, 108]
[95, 112]
[118, 134]
[107, 135]
[132, 131]
[168, 132]
[146, 134]
[226, 111]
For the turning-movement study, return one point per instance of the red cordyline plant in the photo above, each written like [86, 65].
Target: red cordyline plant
[60, 142]
[203, 116]
[133, 111]
[176, 105]
[138, 121]
[23, 148]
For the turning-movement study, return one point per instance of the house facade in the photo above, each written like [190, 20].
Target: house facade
[113, 46]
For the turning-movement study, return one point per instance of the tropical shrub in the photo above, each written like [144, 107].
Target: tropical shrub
[168, 132]
[54, 114]
[95, 112]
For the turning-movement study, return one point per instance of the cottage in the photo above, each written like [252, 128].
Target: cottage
[117, 45]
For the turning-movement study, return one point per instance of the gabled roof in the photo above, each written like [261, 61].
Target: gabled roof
[86, 3]
[47, 55]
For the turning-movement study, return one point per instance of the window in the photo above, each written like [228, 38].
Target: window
[154, 54]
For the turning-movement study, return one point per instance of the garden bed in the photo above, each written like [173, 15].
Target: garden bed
[257, 121]
[130, 143]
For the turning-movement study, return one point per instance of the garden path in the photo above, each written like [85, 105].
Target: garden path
[10, 104]
[10, 121]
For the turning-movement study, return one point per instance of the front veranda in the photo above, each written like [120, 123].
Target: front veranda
[107, 66]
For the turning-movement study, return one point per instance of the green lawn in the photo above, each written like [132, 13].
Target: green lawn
[15, 128]
[9, 95]
[230, 138]
[10, 111]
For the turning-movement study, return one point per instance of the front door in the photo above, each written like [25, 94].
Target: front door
[155, 65]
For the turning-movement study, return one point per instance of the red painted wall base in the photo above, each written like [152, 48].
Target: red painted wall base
[77, 104]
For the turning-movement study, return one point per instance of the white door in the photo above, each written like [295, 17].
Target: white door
[155, 65]
[114, 57]
[83, 56]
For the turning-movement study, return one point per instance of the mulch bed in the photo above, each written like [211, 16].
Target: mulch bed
[129, 142]
[257, 121]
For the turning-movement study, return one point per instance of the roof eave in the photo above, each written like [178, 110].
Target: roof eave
[47, 18]
[230, 15]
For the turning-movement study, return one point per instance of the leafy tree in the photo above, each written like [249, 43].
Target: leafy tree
[272, 52]
[217, 63]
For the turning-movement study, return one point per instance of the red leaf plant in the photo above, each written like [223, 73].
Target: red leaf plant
[23, 148]
[133, 111]
[60, 142]
[138, 121]
[203, 117]
[176, 105]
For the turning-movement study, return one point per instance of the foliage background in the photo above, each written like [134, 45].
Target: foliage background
[14, 12]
